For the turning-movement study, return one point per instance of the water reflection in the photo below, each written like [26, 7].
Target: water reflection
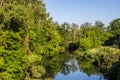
[88, 68]
[69, 67]
[71, 70]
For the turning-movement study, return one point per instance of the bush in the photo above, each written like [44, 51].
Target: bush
[13, 64]
[37, 71]
[85, 43]
[106, 56]
[102, 57]
[33, 58]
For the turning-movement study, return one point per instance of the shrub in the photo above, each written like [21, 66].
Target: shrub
[37, 71]
[85, 43]
[106, 56]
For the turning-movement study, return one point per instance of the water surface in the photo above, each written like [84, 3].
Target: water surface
[71, 70]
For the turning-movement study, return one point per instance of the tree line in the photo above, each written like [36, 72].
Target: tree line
[89, 36]
[28, 33]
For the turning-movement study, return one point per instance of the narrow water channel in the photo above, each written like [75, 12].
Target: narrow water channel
[72, 70]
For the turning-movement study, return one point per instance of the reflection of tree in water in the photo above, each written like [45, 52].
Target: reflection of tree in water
[88, 68]
[52, 65]
[113, 73]
[70, 66]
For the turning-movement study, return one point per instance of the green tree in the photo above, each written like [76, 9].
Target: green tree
[86, 25]
[114, 26]
[114, 29]
[64, 31]
[85, 43]
[74, 31]
[94, 34]
[27, 32]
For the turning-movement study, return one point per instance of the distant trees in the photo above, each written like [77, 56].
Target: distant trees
[64, 31]
[94, 35]
[114, 26]
[99, 24]
[114, 29]
[86, 25]
[88, 36]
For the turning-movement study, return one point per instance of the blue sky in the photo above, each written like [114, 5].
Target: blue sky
[80, 11]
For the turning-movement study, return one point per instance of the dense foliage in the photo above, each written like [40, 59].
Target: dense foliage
[26, 33]
[103, 57]
[28, 36]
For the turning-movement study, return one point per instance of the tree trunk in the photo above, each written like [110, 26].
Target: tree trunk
[1, 3]
[26, 43]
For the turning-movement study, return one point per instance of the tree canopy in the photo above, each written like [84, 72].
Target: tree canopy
[28, 34]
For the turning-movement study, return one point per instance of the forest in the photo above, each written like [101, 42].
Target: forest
[31, 43]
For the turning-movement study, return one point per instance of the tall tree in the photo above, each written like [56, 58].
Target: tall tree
[64, 31]
[74, 28]
[26, 28]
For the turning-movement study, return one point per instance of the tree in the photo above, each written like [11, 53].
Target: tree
[114, 29]
[85, 43]
[114, 26]
[64, 31]
[85, 25]
[74, 31]
[95, 34]
[26, 31]
[99, 24]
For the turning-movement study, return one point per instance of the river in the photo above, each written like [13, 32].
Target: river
[72, 70]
